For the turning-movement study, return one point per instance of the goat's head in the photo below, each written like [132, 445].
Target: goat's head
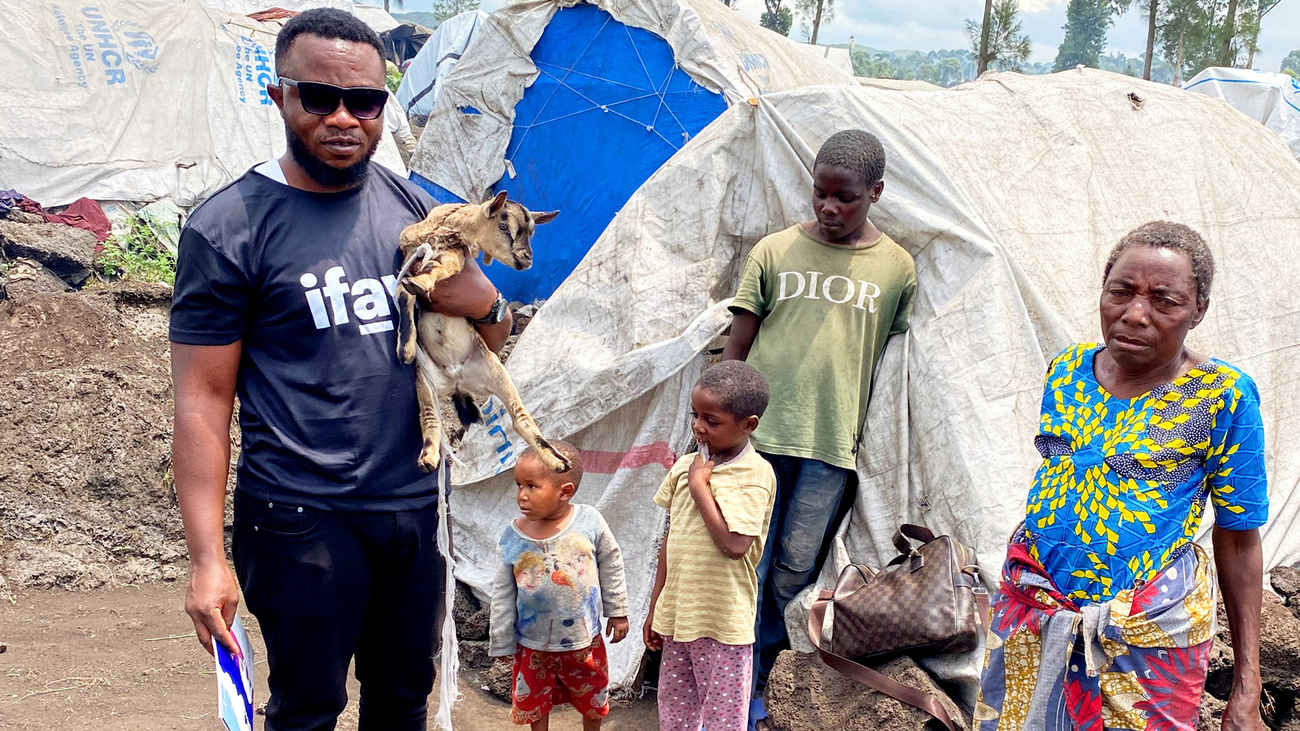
[502, 229]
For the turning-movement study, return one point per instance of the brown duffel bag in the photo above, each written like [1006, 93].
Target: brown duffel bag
[927, 601]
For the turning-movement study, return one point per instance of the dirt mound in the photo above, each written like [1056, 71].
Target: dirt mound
[85, 440]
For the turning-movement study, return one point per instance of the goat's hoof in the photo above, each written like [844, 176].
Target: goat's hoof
[415, 288]
[406, 353]
[430, 456]
[552, 458]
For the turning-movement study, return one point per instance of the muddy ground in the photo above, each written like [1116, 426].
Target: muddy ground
[85, 439]
[125, 658]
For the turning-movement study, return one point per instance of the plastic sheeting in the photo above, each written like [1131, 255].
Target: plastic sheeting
[136, 99]
[435, 61]
[1272, 99]
[577, 104]
[1010, 192]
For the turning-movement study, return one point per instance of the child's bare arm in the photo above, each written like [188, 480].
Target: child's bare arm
[732, 545]
[744, 328]
[652, 639]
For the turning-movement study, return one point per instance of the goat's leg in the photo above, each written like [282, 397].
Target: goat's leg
[407, 312]
[504, 389]
[430, 425]
[446, 264]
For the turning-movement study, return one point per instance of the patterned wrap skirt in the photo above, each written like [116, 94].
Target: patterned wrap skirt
[1135, 663]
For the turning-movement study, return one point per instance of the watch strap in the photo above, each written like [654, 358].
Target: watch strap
[494, 315]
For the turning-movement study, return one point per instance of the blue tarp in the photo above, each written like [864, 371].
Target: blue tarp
[608, 108]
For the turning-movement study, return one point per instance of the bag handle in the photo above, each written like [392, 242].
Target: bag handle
[918, 533]
[902, 693]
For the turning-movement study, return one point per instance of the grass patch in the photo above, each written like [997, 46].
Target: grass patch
[137, 254]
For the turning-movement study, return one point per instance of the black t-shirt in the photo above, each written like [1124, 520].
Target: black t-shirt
[307, 280]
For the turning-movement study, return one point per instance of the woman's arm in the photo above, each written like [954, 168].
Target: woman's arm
[1240, 563]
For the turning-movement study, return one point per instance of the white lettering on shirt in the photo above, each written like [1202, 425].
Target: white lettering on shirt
[836, 289]
[781, 278]
[370, 300]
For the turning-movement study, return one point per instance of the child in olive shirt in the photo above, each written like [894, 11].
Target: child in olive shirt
[815, 305]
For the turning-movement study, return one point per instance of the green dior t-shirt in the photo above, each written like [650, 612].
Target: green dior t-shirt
[826, 312]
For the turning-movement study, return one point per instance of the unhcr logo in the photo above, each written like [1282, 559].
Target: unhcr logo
[97, 43]
[121, 42]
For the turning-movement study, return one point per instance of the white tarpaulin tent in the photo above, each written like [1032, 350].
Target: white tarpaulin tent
[1272, 99]
[571, 106]
[716, 48]
[437, 57]
[1009, 191]
[136, 100]
[376, 17]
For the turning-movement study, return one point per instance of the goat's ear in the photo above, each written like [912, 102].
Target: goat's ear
[493, 208]
[544, 217]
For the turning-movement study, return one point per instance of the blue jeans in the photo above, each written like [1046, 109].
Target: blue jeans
[808, 494]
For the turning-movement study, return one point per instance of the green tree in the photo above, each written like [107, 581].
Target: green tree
[1086, 22]
[948, 72]
[444, 9]
[1007, 47]
[1251, 21]
[777, 17]
[1152, 8]
[815, 13]
[1291, 63]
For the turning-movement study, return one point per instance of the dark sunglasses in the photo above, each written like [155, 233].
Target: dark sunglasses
[362, 102]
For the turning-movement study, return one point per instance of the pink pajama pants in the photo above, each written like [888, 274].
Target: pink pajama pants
[704, 683]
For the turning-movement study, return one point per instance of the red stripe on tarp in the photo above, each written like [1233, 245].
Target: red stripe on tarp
[610, 462]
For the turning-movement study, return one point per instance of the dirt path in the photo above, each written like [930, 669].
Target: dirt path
[124, 659]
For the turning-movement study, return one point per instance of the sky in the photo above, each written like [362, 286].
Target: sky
[934, 24]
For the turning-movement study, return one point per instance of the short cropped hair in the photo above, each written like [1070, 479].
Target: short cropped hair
[854, 149]
[739, 386]
[1174, 236]
[570, 452]
[328, 23]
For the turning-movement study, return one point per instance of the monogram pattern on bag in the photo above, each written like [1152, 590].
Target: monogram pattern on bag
[902, 608]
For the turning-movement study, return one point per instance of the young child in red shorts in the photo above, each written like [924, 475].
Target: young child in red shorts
[561, 569]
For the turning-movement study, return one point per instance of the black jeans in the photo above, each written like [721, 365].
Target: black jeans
[327, 585]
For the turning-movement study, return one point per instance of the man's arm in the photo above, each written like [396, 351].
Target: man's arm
[732, 545]
[203, 378]
[744, 328]
[1240, 563]
[469, 293]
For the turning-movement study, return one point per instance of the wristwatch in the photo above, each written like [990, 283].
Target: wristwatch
[494, 315]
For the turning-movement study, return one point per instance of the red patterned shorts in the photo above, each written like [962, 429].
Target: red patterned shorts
[543, 680]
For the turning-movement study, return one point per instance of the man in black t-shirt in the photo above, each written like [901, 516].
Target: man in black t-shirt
[285, 295]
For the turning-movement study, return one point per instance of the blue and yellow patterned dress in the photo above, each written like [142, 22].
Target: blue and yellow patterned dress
[1123, 483]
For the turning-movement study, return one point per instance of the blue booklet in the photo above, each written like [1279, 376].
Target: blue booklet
[235, 681]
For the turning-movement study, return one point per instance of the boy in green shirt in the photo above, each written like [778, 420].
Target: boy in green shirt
[815, 305]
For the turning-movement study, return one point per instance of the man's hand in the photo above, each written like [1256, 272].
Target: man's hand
[467, 293]
[616, 629]
[211, 602]
[1242, 713]
[653, 640]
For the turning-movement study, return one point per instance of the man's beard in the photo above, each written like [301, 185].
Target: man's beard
[330, 177]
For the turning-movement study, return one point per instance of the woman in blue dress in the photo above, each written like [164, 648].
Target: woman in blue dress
[1106, 613]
